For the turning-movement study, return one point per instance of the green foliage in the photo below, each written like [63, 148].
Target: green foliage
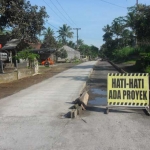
[130, 62]
[139, 65]
[71, 44]
[26, 54]
[128, 31]
[124, 54]
[25, 20]
[75, 60]
[64, 33]
[90, 51]
[49, 39]
[143, 63]
[145, 56]
[62, 53]
[144, 48]
[147, 69]
[142, 23]
[94, 51]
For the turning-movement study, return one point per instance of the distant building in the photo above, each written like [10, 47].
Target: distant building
[35, 45]
[45, 53]
[72, 53]
[12, 47]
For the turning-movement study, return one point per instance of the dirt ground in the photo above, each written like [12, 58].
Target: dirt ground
[7, 89]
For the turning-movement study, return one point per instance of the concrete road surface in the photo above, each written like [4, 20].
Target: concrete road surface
[32, 119]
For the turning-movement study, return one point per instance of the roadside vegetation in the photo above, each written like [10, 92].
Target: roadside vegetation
[127, 39]
[21, 20]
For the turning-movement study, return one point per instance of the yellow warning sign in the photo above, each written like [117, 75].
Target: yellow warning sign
[128, 89]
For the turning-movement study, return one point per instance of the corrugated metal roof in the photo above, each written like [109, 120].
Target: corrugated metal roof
[12, 44]
[43, 50]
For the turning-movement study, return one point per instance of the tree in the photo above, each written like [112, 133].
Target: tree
[25, 54]
[90, 51]
[71, 44]
[94, 51]
[117, 27]
[80, 42]
[107, 28]
[130, 20]
[138, 19]
[49, 39]
[64, 33]
[25, 20]
[108, 34]
[142, 23]
[62, 53]
[84, 50]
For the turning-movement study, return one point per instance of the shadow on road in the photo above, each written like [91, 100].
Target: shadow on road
[103, 110]
[82, 67]
[104, 68]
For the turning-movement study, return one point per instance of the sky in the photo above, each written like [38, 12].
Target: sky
[88, 15]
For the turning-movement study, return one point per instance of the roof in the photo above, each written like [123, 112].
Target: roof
[12, 44]
[67, 48]
[35, 45]
[43, 50]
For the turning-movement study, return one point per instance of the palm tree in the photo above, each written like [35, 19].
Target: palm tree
[130, 20]
[49, 39]
[64, 33]
[107, 28]
[108, 33]
[116, 28]
[80, 42]
[48, 32]
[71, 44]
[125, 37]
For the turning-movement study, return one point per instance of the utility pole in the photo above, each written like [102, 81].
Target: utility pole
[1, 63]
[136, 2]
[77, 34]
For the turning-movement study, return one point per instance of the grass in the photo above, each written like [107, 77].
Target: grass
[130, 62]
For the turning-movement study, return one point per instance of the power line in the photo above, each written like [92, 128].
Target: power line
[65, 12]
[113, 4]
[53, 10]
[52, 25]
[59, 11]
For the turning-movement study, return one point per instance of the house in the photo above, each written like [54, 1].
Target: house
[72, 53]
[45, 53]
[35, 45]
[12, 47]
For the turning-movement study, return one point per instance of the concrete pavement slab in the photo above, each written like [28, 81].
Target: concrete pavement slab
[31, 118]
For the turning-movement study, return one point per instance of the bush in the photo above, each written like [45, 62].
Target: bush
[147, 69]
[139, 65]
[25, 54]
[75, 60]
[62, 53]
[125, 54]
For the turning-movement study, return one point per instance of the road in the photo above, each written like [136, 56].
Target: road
[32, 119]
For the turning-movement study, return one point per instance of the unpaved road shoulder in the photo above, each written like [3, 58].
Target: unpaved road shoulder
[7, 89]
